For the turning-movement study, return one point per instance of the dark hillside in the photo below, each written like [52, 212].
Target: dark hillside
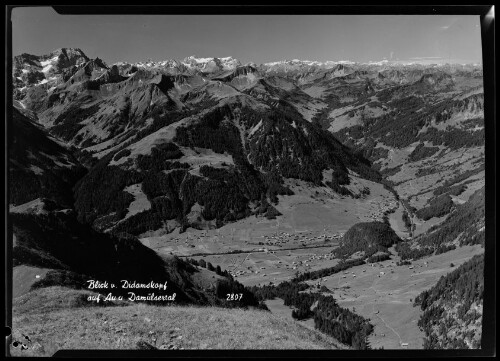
[368, 237]
[39, 167]
[453, 314]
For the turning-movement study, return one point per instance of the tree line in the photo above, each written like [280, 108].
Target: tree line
[463, 287]
[331, 319]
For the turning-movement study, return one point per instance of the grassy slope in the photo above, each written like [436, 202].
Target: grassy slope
[50, 319]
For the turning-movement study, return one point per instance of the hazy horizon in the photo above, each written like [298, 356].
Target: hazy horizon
[251, 38]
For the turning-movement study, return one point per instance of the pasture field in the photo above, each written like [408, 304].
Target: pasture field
[263, 267]
[302, 239]
[310, 216]
[134, 325]
[23, 277]
[387, 299]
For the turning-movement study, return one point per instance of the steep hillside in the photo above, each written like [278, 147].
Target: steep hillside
[39, 165]
[463, 226]
[44, 71]
[74, 253]
[453, 308]
[426, 136]
[209, 143]
[230, 161]
[204, 142]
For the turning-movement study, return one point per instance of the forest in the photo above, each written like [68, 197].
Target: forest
[58, 241]
[229, 285]
[331, 319]
[438, 207]
[464, 221]
[402, 126]
[367, 237]
[406, 252]
[422, 152]
[463, 287]
[343, 265]
[75, 253]
[30, 147]
[224, 193]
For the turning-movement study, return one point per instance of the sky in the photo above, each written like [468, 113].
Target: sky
[250, 38]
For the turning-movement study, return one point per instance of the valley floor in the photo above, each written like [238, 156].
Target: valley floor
[386, 299]
[385, 293]
[296, 238]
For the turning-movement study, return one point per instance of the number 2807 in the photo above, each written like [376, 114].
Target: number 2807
[234, 296]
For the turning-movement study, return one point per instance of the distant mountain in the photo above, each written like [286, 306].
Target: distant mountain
[210, 65]
[189, 65]
[46, 70]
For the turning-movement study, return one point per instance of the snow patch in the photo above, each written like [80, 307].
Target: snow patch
[255, 128]
[46, 68]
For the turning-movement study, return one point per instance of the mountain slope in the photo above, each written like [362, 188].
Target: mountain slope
[254, 125]
[453, 309]
[223, 142]
[286, 154]
[48, 235]
[75, 253]
[39, 165]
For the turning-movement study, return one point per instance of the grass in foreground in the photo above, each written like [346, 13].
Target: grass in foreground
[55, 326]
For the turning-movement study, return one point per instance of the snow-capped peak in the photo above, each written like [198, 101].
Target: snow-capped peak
[211, 64]
[296, 62]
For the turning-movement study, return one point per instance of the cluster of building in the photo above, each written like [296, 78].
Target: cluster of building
[281, 238]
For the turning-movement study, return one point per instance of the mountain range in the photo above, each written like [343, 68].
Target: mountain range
[118, 153]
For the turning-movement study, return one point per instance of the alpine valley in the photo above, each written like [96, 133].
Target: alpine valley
[293, 204]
